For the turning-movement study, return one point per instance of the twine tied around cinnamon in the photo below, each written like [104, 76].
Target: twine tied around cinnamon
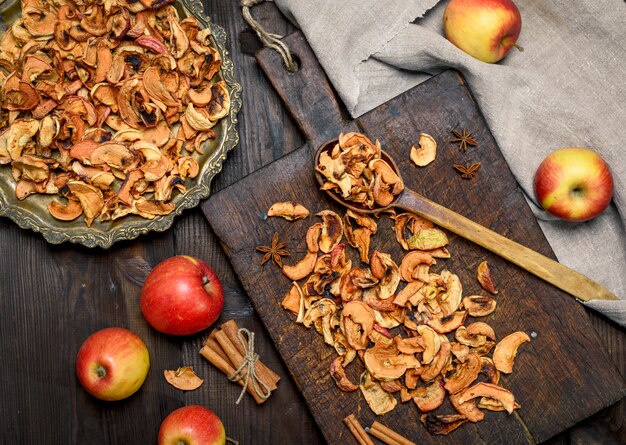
[268, 39]
[246, 370]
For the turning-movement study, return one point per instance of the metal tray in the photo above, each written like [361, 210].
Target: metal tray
[32, 212]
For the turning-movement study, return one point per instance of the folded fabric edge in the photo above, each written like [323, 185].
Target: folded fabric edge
[353, 108]
[613, 310]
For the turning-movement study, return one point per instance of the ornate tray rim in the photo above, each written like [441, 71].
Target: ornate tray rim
[89, 237]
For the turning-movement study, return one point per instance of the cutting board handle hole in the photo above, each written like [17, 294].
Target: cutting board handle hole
[297, 63]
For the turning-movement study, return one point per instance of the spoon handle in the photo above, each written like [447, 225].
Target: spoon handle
[543, 267]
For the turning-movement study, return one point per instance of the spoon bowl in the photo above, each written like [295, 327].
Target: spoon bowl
[553, 272]
[355, 206]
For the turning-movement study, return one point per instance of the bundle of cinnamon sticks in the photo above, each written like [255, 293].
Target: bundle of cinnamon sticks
[223, 349]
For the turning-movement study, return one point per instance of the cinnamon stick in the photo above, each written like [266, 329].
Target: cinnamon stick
[237, 358]
[231, 329]
[212, 343]
[357, 430]
[223, 365]
[388, 435]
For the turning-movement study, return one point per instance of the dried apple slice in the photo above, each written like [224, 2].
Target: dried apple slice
[467, 408]
[506, 350]
[464, 375]
[19, 135]
[292, 298]
[387, 184]
[482, 389]
[386, 363]
[410, 263]
[359, 237]
[473, 341]
[332, 230]
[302, 268]
[150, 208]
[91, 199]
[429, 398]
[439, 362]
[493, 405]
[460, 351]
[480, 328]
[447, 323]
[357, 322]
[479, 306]
[30, 167]
[184, 378]
[26, 187]
[488, 369]
[411, 345]
[442, 425]
[67, 212]
[483, 275]
[200, 98]
[379, 400]
[338, 373]
[428, 239]
[407, 224]
[426, 151]
[411, 378]
[432, 343]
[312, 237]
[451, 299]
[290, 210]
[220, 101]
[115, 155]
[387, 272]
[408, 293]
[353, 282]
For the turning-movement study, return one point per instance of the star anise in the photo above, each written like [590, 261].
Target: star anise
[465, 138]
[275, 252]
[469, 171]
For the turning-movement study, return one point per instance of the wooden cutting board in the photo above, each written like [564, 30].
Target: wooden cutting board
[563, 376]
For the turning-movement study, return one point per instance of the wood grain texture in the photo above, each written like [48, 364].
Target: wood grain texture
[555, 393]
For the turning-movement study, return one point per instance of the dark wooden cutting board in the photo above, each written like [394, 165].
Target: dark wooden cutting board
[563, 376]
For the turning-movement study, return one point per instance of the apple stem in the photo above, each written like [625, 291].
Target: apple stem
[519, 47]
[228, 439]
[205, 280]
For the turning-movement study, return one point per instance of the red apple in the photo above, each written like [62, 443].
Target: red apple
[192, 425]
[575, 184]
[485, 29]
[112, 363]
[182, 296]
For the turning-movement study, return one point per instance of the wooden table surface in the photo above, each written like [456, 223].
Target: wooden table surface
[52, 297]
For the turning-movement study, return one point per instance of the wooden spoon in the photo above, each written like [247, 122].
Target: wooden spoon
[543, 267]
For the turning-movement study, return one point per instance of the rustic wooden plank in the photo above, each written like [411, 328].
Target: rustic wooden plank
[562, 327]
[53, 298]
[486, 202]
[307, 93]
[267, 132]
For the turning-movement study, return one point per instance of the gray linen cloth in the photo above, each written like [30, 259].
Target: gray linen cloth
[567, 88]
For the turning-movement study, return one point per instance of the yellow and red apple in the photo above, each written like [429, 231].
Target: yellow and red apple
[484, 29]
[182, 295]
[112, 363]
[192, 425]
[574, 184]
